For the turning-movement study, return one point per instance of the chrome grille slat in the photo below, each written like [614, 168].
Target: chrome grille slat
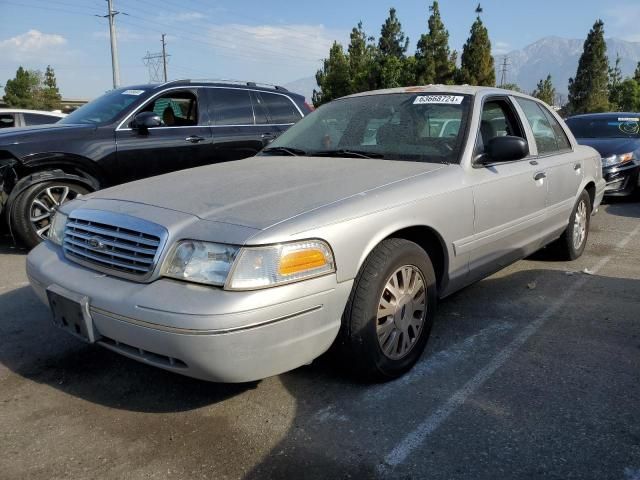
[113, 243]
[112, 233]
[108, 253]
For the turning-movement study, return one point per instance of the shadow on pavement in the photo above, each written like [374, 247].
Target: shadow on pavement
[623, 206]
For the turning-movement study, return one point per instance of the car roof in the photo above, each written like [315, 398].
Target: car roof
[452, 89]
[214, 83]
[37, 112]
[606, 115]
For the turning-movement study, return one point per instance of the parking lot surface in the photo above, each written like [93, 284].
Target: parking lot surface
[531, 373]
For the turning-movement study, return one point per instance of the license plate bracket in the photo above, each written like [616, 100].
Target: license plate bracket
[71, 313]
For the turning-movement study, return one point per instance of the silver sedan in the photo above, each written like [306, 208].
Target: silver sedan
[345, 231]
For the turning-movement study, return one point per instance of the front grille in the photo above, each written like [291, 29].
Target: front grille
[114, 243]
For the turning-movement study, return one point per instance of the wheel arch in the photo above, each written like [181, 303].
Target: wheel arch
[69, 163]
[590, 187]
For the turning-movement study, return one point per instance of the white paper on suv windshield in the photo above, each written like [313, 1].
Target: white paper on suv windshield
[438, 99]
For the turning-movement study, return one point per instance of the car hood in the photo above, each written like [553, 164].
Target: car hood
[611, 146]
[12, 136]
[261, 191]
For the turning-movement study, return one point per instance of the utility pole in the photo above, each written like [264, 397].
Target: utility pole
[164, 57]
[115, 67]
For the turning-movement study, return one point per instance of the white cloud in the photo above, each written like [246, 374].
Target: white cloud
[501, 48]
[625, 21]
[306, 44]
[31, 44]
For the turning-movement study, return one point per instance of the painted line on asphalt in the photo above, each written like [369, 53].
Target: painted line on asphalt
[438, 361]
[414, 439]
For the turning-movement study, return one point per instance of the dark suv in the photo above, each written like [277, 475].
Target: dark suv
[132, 133]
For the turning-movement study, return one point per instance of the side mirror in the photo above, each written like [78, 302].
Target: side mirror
[146, 120]
[506, 149]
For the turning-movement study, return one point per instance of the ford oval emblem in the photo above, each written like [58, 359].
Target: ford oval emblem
[95, 242]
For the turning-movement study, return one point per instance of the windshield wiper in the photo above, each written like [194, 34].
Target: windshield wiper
[288, 150]
[344, 152]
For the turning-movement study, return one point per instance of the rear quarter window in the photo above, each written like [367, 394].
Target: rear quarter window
[279, 109]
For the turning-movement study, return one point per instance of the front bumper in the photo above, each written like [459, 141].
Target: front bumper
[623, 180]
[201, 331]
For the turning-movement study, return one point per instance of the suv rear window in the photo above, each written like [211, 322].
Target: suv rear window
[278, 109]
[231, 106]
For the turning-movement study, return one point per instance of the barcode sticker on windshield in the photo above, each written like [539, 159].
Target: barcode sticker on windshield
[133, 92]
[438, 99]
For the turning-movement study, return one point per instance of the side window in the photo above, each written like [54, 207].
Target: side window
[498, 120]
[37, 119]
[543, 132]
[231, 106]
[259, 108]
[279, 108]
[7, 120]
[176, 108]
[561, 136]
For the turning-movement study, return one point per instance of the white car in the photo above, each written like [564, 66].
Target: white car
[14, 117]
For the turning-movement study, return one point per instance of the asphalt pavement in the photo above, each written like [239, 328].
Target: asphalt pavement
[531, 373]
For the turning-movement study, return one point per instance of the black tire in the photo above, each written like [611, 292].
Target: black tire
[359, 335]
[566, 247]
[21, 224]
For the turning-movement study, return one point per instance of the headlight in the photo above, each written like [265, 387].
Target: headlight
[612, 160]
[200, 262]
[56, 231]
[260, 267]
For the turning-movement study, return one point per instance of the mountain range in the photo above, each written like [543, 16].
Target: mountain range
[525, 67]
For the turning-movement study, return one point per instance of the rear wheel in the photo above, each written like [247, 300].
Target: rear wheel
[388, 318]
[34, 208]
[574, 239]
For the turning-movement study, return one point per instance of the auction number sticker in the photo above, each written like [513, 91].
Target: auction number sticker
[438, 99]
[133, 92]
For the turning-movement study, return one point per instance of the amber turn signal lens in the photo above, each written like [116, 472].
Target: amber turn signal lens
[301, 260]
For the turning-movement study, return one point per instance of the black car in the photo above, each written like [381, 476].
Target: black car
[617, 137]
[132, 133]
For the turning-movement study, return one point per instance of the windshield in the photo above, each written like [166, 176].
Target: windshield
[103, 109]
[607, 127]
[403, 126]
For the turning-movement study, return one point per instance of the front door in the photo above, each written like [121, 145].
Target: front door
[183, 141]
[509, 198]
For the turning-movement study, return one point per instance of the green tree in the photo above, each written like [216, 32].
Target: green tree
[392, 42]
[629, 95]
[333, 78]
[588, 91]
[511, 86]
[615, 84]
[434, 61]
[636, 75]
[545, 91]
[50, 94]
[362, 54]
[22, 91]
[477, 66]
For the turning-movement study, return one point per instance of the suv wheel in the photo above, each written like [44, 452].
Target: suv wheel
[34, 208]
[389, 315]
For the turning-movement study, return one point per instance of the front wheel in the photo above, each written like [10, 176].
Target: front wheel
[573, 241]
[34, 208]
[388, 318]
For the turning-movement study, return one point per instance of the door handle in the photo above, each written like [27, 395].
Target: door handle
[194, 139]
[577, 166]
[539, 176]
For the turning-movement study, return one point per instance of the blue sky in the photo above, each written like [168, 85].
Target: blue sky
[276, 41]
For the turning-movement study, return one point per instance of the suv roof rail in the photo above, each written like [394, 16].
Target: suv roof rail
[228, 81]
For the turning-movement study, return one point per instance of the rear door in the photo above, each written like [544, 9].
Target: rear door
[276, 110]
[557, 157]
[183, 141]
[509, 197]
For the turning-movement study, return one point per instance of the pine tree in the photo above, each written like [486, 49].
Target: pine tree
[588, 91]
[333, 78]
[362, 53]
[636, 75]
[392, 42]
[434, 61]
[477, 66]
[22, 91]
[545, 91]
[615, 84]
[50, 95]
[629, 96]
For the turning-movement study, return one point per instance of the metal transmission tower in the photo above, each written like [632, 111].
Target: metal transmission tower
[503, 71]
[115, 66]
[156, 63]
